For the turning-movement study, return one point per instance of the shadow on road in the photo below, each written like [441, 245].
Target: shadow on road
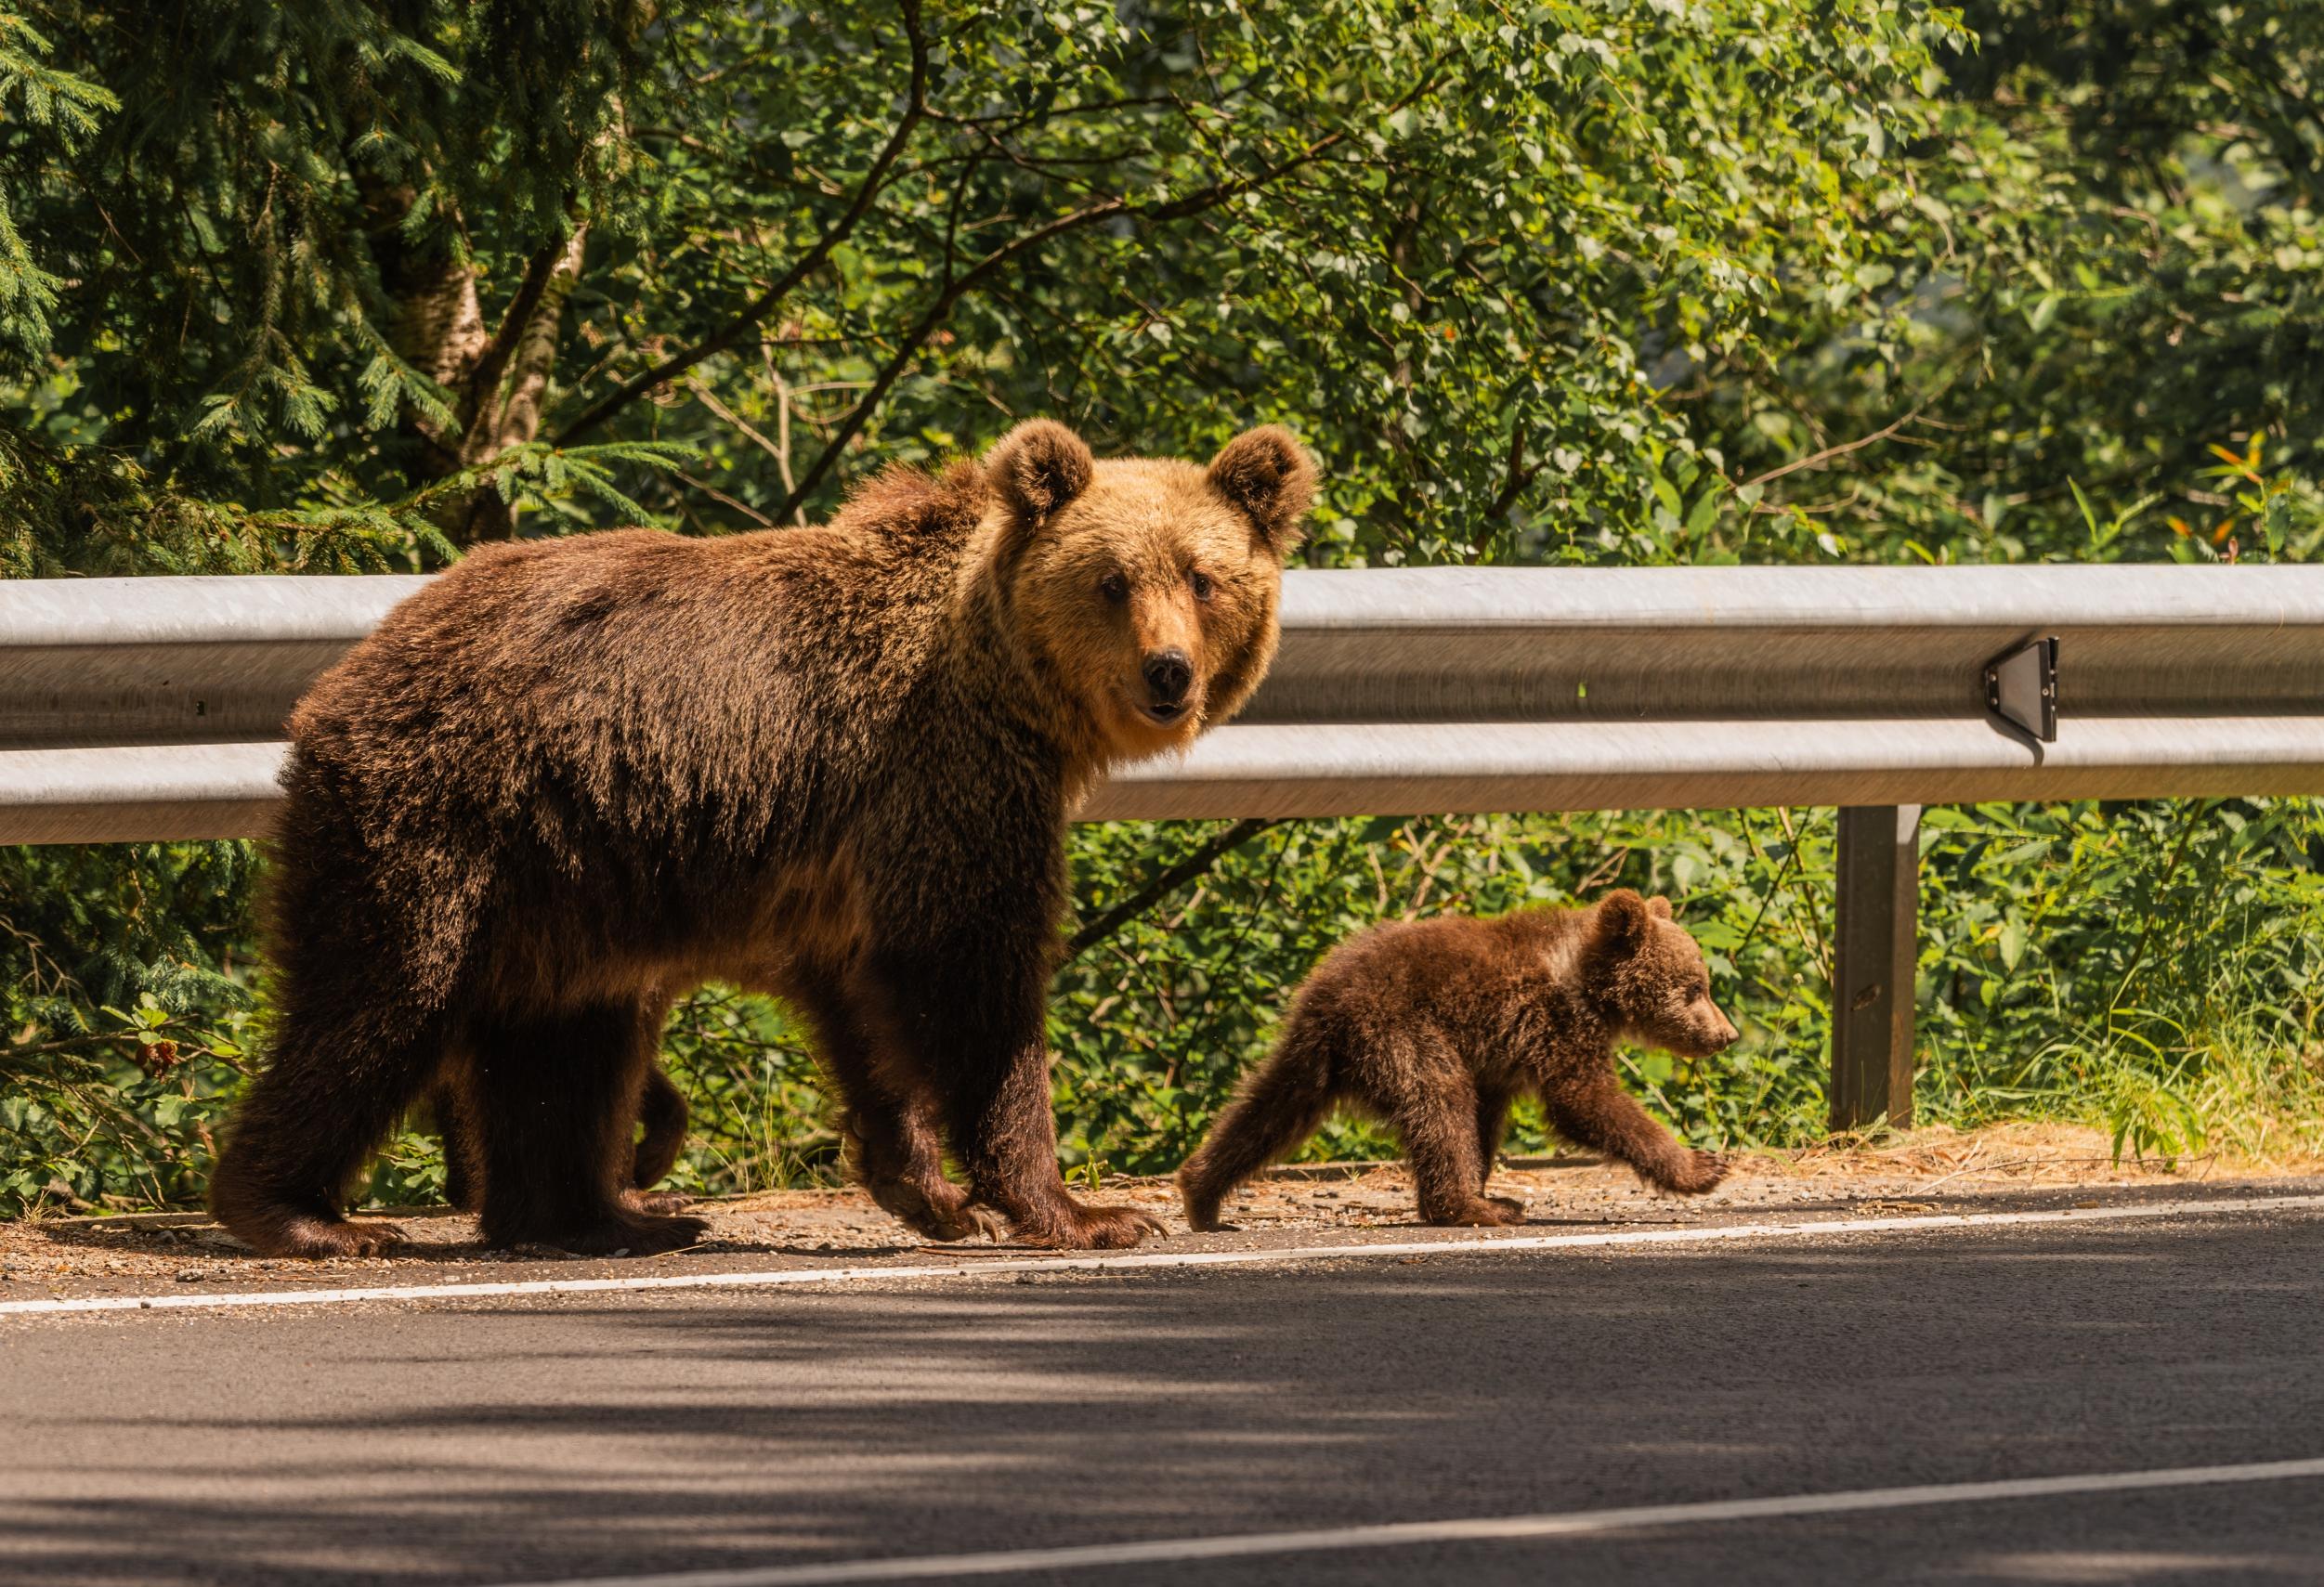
[695, 1431]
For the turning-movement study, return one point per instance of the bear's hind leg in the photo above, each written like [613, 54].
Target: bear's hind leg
[1285, 1100]
[894, 1148]
[325, 1101]
[554, 1098]
[661, 1109]
[1493, 1122]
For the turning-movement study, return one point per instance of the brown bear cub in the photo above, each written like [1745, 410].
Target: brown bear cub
[571, 780]
[1437, 1025]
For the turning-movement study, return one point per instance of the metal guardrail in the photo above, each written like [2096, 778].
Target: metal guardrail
[150, 708]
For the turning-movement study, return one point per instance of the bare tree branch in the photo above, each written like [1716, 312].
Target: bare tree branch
[717, 495]
[1517, 476]
[484, 380]
[535, 353]
[1168, 882]
[1816, 460]
[778, 451]
[915, 112]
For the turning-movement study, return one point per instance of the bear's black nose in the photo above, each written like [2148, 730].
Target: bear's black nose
[1169, 672]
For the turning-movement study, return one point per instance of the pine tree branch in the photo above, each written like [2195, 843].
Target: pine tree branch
[1161, 887]
[733, 331]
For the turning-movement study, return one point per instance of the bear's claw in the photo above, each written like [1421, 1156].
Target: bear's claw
[1082, 1228]
[656, 1204]
[318, 1239]
[941, 1212]
[948, 1225]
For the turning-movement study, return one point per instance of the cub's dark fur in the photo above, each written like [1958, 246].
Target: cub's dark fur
[1437, 1025]
[571, 780]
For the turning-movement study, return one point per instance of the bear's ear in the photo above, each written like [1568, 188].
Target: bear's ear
[1620, 923]
[1037, 468]
[1269, 476]
[1658, 908]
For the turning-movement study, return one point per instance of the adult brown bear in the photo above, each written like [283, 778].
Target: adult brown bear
[573, 779]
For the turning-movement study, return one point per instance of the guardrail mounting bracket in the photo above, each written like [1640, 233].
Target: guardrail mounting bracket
[2021, 688]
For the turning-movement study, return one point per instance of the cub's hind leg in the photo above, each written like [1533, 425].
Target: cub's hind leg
[1281, 1103]
[463, 1175]
[1433, 1104]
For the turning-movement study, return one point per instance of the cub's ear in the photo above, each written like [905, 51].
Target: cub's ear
[1620, 922]
[1658, 908]
[1037, 468]
[1269, 476]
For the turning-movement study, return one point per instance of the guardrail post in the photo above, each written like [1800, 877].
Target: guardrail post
[1873, 965]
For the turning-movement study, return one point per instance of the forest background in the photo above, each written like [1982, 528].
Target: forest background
[354, 285]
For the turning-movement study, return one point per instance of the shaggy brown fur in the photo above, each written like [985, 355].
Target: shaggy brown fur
[1437, 1025]
[661, 1109]
[573, 779]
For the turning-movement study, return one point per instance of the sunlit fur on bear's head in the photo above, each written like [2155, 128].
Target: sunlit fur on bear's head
[1145, 588]
[1650, 977]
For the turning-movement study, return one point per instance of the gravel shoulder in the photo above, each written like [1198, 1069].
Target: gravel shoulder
[2010, 1167]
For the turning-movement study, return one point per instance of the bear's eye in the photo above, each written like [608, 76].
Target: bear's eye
[1115, 588]
[1201, 581]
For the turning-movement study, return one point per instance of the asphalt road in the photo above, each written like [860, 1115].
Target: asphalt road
[658, 1434]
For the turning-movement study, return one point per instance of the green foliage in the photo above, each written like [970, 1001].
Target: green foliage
[350, 286]
[125, 998]
[2107, 268]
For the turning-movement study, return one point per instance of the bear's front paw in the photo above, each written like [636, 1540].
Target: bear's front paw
[940, 1211]
[963, 1222]
[624, 1233]
[318, 1238]
[1202, 1215]
[656, 1204]
[1482, 1212]
[1697, 1172]
[1076, 1227]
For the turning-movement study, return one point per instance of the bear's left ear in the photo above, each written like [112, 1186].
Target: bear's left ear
[1268, 474]
[1037, 468]
[1619, 924]
[1658, 908]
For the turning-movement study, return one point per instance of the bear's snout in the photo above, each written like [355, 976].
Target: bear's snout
[1169, 674]
[1718, 1035]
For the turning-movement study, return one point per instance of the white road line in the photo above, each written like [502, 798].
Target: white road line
[1483, 1528]
[1464, 1246]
